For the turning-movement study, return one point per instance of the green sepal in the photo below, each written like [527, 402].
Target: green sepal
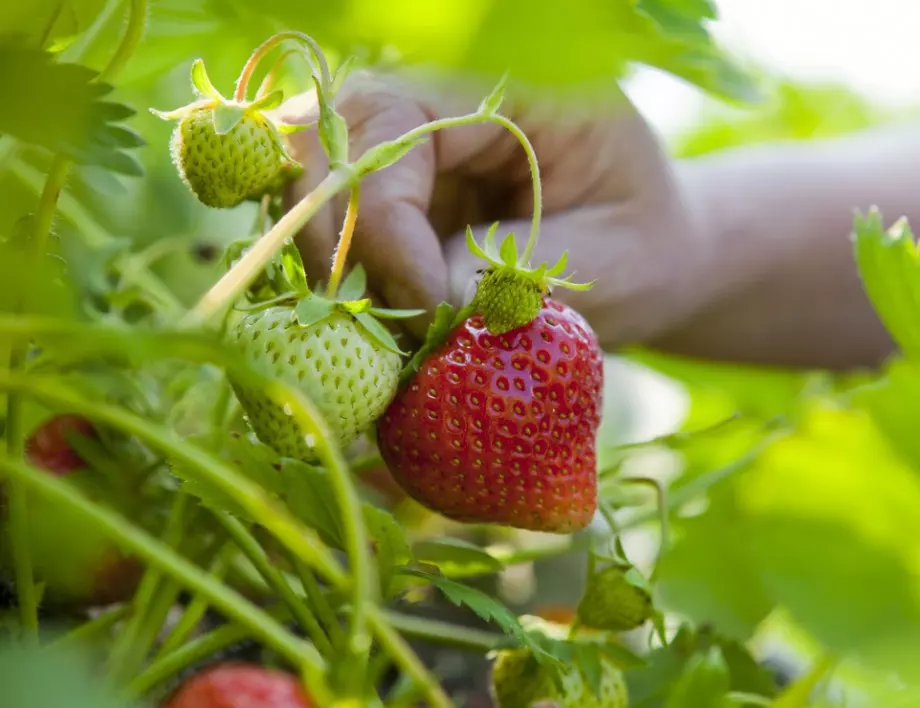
[354, 285]
[333, 130]
[354, 307]
[446, 318]
[291, 128]
[201, 83]
[313, 309]
[385, 154]
[227, 116]
[509, 252]
[387, 314]
[377, 331]
[267, 102]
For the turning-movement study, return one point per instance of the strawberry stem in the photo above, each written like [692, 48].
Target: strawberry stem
[661, 501]
[315, 52]
[236, 280]
[345, 237]
[157, 554]
[516, 131]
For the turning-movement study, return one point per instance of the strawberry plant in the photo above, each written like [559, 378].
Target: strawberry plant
[228, 483]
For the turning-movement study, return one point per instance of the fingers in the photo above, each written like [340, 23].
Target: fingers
[640, 286]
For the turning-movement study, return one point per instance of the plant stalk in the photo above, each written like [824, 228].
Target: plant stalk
[341, 250]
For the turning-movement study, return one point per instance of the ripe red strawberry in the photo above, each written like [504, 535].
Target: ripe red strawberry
[240, 686]
[501, 428]
[79, 566]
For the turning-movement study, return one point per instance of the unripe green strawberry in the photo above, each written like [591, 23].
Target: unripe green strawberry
[229, 151]
[518, 681]
[348, 373]
[615, 601]
[225, 169]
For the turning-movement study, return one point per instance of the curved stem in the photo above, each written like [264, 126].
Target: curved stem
[516, 131]
[445, 633]
[157, 554]
[272, 74]
[661, 499]
[134, 33]
[341, 250]
[242, 84]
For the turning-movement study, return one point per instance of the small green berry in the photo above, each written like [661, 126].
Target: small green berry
[612, 602]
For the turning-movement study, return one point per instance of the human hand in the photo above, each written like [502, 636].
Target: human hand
[609, 199]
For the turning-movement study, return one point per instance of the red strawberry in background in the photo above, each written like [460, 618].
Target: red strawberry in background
[498, 423]
[240, 686]
[79, 566]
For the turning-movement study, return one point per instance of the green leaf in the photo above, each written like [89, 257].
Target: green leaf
[454, 556]
[47, 24]
[390, 545]
[311, 498]
[202, 83]
[86, 136]
[487, 608]
[889, 265]
[703, 684]
[33, 285]
[312, 309]
[377, 331]
[894, 403]
[509, 252]
[226, 117]
[354, 285]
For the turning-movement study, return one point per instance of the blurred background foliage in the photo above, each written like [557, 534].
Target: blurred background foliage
[804, 542]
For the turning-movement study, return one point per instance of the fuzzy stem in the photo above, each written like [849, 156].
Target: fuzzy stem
[276, 580]
[130, 40]
[128, 536]
[243, 274]
[199, 605]
[406, 659]
[515, 130]
[341, 250]
[242, 84]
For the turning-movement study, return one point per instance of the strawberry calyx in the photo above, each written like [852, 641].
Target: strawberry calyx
[228, 113]
[510, 292]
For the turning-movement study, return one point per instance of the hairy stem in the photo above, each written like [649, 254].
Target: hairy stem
[318, 601]
[515, 130]
[156, 553]
[243, 274]
[242, 84]
[341, 250]
[661, 501]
